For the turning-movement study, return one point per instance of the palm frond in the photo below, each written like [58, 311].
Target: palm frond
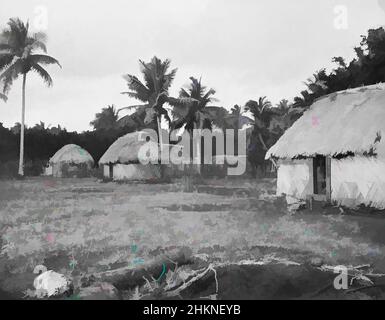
[148, 75]
[5, 60]
[42, 73]
[134, 95]
[17, 34]
[137, 107]
[40, 36]
[180, 102]
[252, 107]
[11, 74]
[183, 93]
[37, 41]
[155, 75]
[168, 79]
[39, 45]
[135, 119]
[134, 84]
[3, 97]
[43, 59]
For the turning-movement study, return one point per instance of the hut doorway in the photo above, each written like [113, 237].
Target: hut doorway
[111, 171]
[319, 175]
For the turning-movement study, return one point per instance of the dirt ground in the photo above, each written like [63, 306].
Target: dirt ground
[82, 227]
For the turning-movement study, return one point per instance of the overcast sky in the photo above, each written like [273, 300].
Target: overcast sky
[244, 49]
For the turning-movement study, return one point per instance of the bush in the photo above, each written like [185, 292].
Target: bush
[97, 172]
[9, 169]
[34, 167]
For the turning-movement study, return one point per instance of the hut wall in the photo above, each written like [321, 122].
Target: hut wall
[294, 179]
[354, 180]
[56, 170]
[48, 171]
[358, 180]
[106, 171]
[136, 172]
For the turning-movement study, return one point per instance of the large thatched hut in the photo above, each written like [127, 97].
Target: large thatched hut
[70, 161]
[336, 150]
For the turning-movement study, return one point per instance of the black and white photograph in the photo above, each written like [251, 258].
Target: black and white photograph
[207, 151]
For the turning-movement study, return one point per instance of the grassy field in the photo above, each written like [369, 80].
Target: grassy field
[82, 226]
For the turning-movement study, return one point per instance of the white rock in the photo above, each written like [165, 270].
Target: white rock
[50, 283]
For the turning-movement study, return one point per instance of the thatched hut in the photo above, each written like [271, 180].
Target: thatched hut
[121, 160]
[70, 161]
[336, 150]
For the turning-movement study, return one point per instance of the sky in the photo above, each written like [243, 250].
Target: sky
[243, 49]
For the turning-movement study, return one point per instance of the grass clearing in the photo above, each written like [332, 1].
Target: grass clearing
[82, 226]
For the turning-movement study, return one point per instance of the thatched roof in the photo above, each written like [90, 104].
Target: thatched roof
[342, 122]
[71, 153]
[125, 149]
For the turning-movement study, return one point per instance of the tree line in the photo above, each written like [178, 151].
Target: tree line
[195, 107]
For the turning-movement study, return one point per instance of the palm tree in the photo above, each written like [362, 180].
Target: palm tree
[192, 111]
[192, 108]
[283, 116]
[106, 119]
[303, 101]
[237, 119]
[17, 58]
[262, 113]
[153, 92]
[317, 85]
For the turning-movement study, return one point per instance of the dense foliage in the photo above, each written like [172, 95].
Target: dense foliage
[41, 143]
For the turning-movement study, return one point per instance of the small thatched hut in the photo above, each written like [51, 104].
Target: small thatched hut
[121, 160]
[69, 161]
[336, 150]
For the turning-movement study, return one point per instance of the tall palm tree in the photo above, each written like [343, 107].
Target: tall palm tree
[262, 113]
[17, 58]
[192, 108]
[153, 92]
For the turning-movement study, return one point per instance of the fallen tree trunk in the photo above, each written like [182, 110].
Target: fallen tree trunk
[132, 276]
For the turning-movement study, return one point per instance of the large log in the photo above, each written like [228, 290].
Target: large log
[129, 277]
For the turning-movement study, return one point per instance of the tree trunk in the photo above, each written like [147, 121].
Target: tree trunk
[266, 149]
[21, 160]
[188, 169]
[158, 120]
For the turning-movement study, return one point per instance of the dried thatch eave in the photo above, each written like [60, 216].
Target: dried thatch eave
[125, 149]
[346, 122]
